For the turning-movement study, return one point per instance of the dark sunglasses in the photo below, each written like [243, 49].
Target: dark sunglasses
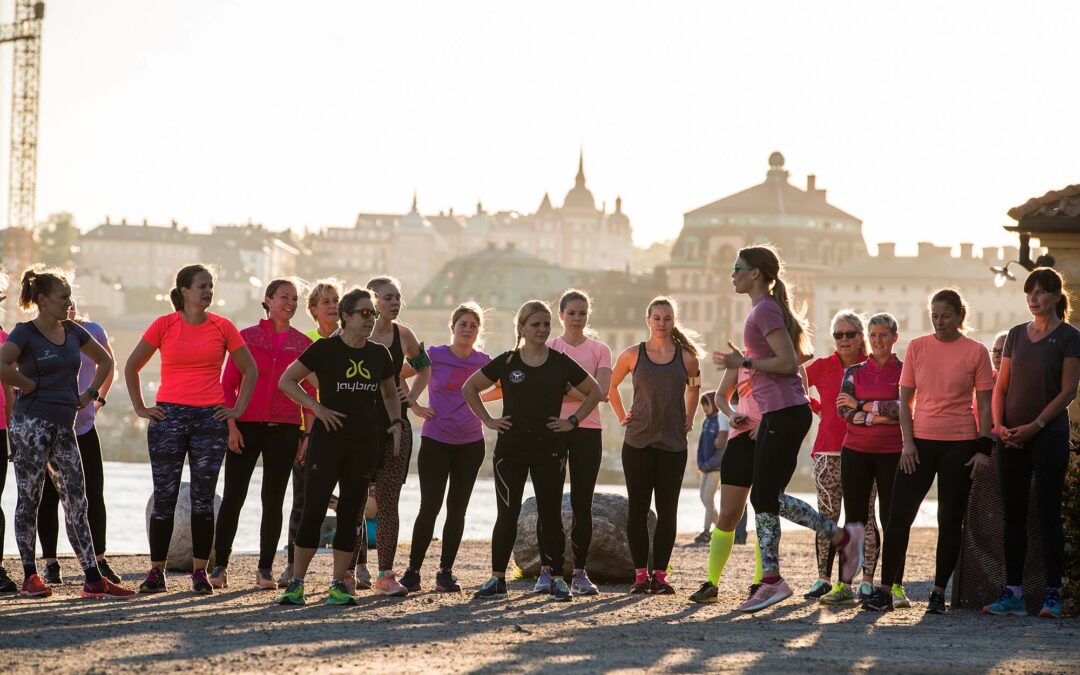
[366, 313]
[737, 268]
[848, 335]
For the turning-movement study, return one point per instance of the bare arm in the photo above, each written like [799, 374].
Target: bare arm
[623, 365]
[104, 364]
[249, 374]
[910, 455]
[411, 347]
[477, 383]
[693, 387]
[134, 365]
[1001, 390]
[785, 361]
[391, 399]
[289, 384]
[724, 391]
[106, 386]
[11, 376]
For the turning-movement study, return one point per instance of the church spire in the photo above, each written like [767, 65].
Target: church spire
[579, 180]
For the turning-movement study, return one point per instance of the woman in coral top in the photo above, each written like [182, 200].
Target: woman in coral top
[189, 418]
[269, 427]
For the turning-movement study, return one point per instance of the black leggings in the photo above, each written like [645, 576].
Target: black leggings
[945, 460]
[859, 471]
[441, 463]
[277, 444]
[94, 473]
[346, 459]
[585, 449]
[1046, 455]
[548, 475]
[648, 471]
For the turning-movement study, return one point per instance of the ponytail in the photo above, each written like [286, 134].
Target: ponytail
[795, 322]
[39, 279]
[680, 335]
[524, 312]
[1051, 281]
[185, 277]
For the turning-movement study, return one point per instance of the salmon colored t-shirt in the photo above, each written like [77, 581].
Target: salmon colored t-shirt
[191, 357]
[945, 376]
[592, 355]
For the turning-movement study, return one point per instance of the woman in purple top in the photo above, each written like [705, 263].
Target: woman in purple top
[451, 448]
[777, 340]
[86, 437]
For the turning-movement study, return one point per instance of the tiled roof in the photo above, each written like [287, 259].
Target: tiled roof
[1056, 203]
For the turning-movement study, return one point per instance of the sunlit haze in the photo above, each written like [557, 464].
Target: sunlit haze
[926, 120]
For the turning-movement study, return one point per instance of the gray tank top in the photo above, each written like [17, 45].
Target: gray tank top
[658, 417]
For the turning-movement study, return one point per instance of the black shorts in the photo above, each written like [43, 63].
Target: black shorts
[737, 464]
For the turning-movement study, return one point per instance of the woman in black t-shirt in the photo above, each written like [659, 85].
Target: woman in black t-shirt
[354, 375]
[1040, 370]
[534, 380]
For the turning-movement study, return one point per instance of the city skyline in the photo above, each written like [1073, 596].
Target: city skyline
[229, 111]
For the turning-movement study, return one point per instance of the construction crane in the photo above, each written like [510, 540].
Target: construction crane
[25, 33]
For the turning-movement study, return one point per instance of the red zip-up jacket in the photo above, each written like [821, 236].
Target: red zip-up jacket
[268, 404]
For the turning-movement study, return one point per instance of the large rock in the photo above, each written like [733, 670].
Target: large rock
[609, 554]
[180, 557]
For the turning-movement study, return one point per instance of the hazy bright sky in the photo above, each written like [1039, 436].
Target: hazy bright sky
[927, 120]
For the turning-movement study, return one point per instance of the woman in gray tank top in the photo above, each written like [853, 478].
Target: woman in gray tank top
[666, 376]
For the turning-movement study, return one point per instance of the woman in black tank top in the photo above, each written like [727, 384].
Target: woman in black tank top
[410, 360]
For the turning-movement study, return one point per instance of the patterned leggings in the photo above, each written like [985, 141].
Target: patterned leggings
[41, 446]
[389, 478]
[192, 432]
[829, 496]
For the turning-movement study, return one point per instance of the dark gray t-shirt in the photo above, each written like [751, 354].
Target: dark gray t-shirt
[1035, 372]
[55, 369]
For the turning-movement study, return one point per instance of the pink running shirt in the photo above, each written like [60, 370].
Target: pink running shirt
[192, 357]
[592, 355]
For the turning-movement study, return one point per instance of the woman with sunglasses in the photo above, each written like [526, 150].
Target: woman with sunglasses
[666, 373]
[347, 439]
[394, 467]
[825, 375]
[776, 339]
[532, 438]
[946, 438]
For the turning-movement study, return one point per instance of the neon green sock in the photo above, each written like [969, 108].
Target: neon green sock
[757, 563]
[719, 549]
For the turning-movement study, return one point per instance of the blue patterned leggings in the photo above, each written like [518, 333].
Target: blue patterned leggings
[42, 447]
[191, 432]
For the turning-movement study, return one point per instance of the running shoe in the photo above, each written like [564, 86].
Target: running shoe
[200, 584]
[446, 582]
[363, 579]
[706, 594]
[751, 590]
[34, 587]
[264, 580]
[560, 592]
[1007, 604]
[411, 580]
[387, 585]
[543, 582]
[294, 593]
[819, 589]
[880, 600]
[105, 590]
[154, 582]
[286, 574]
[493, 588]
[936, 603]
[6, 584]
[866, 589]
[766, 596]
[851, 553]
[52, 574]
[582, 585]
[339, 595]
[107, 572]
[703, 538]
[660, 586]
[899, 597]
[1051, 608]
[219, 578]
[641, 584]
[840, 596]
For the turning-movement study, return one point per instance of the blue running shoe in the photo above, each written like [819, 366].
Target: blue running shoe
[1051, 608]
[543, 582]
[1007, 604]
[493, 588]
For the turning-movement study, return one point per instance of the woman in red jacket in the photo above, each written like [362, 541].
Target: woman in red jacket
[270, 427]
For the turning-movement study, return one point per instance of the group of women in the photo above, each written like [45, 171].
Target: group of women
[329, 409]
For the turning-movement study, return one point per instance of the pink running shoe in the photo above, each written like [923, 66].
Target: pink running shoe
[388, 586]
[851, 554]
[766, 595]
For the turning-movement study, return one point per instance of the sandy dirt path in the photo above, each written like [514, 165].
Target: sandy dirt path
[240, 630]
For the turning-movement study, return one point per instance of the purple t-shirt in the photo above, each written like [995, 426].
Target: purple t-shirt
[454, 423]
[771, 391]
[84, 418]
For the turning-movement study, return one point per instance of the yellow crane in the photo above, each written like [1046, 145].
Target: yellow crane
[25, 34]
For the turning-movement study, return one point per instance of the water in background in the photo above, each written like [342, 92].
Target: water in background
[128, 487]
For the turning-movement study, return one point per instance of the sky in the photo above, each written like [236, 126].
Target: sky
[927, 120]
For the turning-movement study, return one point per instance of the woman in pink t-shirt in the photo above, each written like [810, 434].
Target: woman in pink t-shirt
[942, 373]
[776, 340]
[189, 417]
[584, 444]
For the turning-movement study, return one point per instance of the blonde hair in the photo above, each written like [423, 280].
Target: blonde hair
[577, 295]
[524, 312]
[684, 337]
[765, 259]
[320, 288]
[855, 319]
